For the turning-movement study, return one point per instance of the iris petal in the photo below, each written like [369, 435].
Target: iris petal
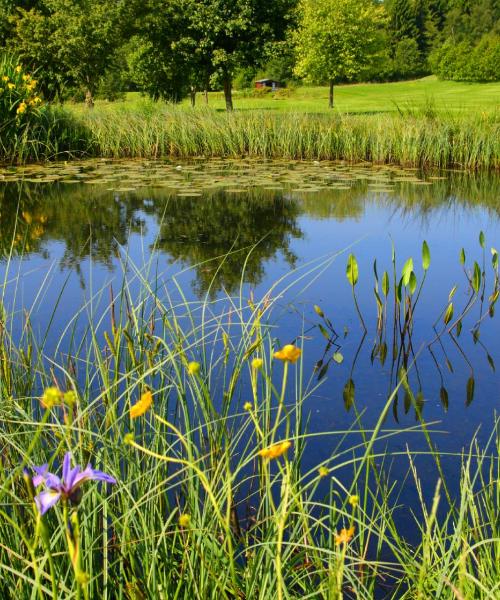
[46, 500]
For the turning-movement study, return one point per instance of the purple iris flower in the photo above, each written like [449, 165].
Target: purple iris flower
[68, 487]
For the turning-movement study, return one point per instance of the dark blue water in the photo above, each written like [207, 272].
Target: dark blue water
[63, 245]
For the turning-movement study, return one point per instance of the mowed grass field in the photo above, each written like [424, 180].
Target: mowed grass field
[367, 98]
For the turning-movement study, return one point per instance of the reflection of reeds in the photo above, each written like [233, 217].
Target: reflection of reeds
[413, 139]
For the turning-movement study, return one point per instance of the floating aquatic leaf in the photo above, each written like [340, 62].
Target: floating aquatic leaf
[481, 239]
[462, 257]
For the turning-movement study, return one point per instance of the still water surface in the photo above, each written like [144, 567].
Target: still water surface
[69, 228]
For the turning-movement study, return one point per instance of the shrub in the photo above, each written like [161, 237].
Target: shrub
[20, 103]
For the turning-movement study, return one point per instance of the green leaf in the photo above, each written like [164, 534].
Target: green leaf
[338, 358]
[471, 384]
[462, 257]
[324, 332]
[352, 271]
[375, 270]
[385, 283]
[481, 239]
[443, 394]
[426, 256]
[407, 270]
[448, 315]
[348, 394]
[412, 284]
[476, 278]
[452, 293]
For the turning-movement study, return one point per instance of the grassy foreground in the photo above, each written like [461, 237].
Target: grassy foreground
[412, 138]
[198, 417]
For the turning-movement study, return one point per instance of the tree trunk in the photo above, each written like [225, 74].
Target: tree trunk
[206, 96]
[228, 92]
[192, 94]
[89, 99]
[330, 97]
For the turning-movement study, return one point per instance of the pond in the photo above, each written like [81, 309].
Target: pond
[66, 231]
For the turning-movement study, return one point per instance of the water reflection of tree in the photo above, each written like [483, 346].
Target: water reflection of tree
[222, 229]
[86, 221]
[92, 221]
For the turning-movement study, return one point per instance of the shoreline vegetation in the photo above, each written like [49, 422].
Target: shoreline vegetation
[206, 491]
[413, 138]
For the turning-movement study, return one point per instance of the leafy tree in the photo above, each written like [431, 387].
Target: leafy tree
[69, 41]
[335, 39]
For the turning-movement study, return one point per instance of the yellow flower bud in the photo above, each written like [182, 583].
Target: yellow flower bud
[193, 368]
[257, 363]
[184, 520]
[247, 406]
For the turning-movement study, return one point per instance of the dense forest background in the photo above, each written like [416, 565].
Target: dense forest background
[171, 48]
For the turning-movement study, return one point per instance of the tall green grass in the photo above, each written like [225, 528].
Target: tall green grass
[419, 138]
[251, 527]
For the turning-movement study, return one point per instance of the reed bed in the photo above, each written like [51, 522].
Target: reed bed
[195, 417]
[414, 138]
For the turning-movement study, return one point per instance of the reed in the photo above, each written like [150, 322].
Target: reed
[199, 416]
[415, 138]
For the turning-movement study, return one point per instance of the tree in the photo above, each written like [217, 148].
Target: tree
[213, 38]
[73, 41]
[335, 39]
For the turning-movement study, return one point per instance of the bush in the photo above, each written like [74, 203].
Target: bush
[20, 104]
[464, 62]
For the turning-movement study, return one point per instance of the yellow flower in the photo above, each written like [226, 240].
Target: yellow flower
[323, 471]
[345, 536]
[142, 406]
[289, 353]
[21, 108]
[247, 406]
[70, 398]
[52, 396]
[184, 520]
[19, 69]
[5, 78]
[257, 363]
[353, 501]
[193, 368]
[11, 86]
[275, 450]
[26, 77]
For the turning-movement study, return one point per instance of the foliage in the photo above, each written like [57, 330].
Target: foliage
[20, 103]
[72, 43]
[464, 62]
[335, 39]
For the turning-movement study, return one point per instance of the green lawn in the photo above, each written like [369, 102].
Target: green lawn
[379, 97]
[358, 98]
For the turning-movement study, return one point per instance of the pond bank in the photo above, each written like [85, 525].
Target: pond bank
[411, 138]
